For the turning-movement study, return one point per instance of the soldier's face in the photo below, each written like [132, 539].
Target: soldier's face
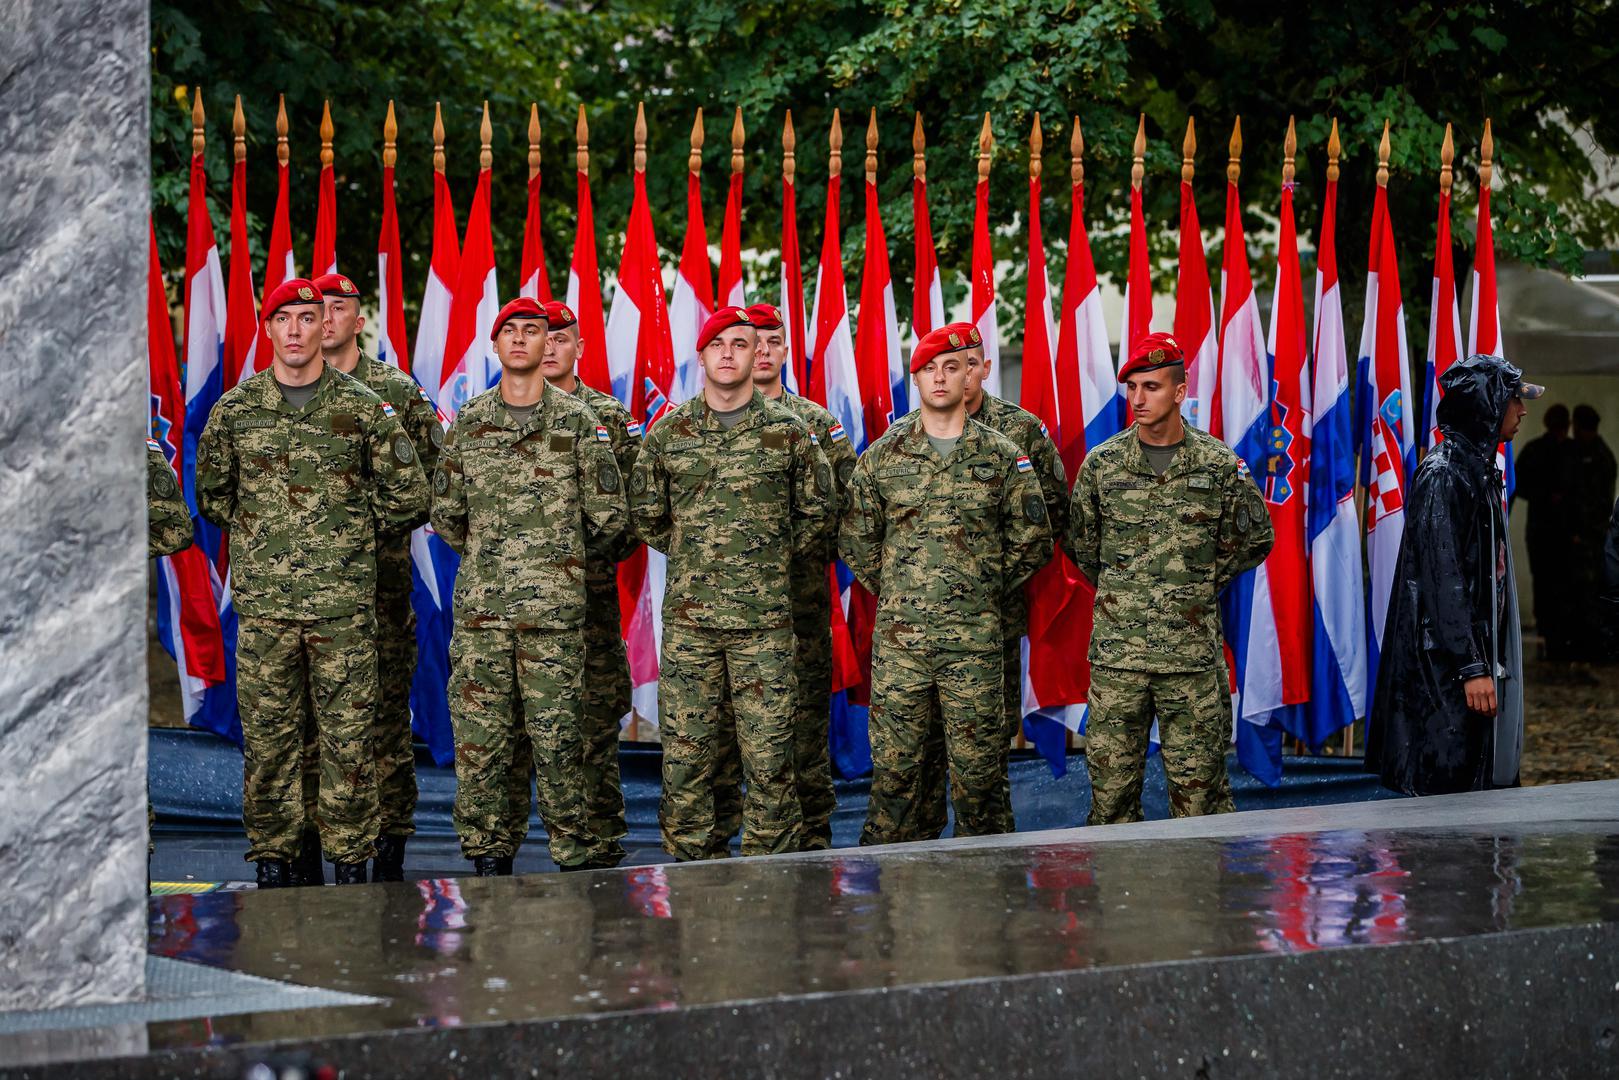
[942, 382]
[343, 323]
[1154, 395]
[295, 333]
[561, 353]
[520, 343]
[728, 359]
[1512, 419]
[769, 357]
[977, 371]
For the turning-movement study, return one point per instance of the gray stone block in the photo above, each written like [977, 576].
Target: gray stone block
[74, 177]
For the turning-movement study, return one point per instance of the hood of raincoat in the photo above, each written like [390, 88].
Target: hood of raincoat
[1476, 394]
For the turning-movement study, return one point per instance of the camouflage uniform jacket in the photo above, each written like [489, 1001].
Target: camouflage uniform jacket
[732, 510]
[304, 493]
[168, 521]
[941, 542]
[624, 437]
[1160, 548]
[811, 591]
[520, 504]
[410, 402]
[1029, 434]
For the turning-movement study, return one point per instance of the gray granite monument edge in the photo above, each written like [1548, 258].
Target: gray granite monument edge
[74, 171]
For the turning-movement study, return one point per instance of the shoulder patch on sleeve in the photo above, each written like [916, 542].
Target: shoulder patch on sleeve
[635, 429]
[601, 434]
[387, 409]
[422, 390]
[152, 444]
[837, 433]
[1023, 463]
[1242, 469]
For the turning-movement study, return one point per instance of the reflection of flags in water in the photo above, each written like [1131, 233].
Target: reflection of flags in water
[1444, 325]
[792, 282]
[693, 299]
[1194, 315]
[647, 889]
[1059, 611]
[640, 361]
[1338, 644]
[983, 294]
[188, 616]
[1284, 484]
[205, 310]
[443, 917]
[835, 383]
[1484, 316]
[392, 344]
[1387, 436]
[1240, 415]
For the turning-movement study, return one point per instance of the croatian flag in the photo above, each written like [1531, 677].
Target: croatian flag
[1387, 434]
[1338, 683]
[927, 294]
[536, 283]
[876, 345]
[1137, 293]
[470, 365]
[278, 266]
[835, 383]
[983, 298]
[693, 299]
[1285, 483]
[792, 275]
[242, 320]
[640, 360]
[392, 346]
[1194, 315]
[1484, 317]
[584, 285]
[205, 310]
[325, 260]
[1240, 415]
[1444, 322]
[731, 291]
[433, 326]
[188, 614]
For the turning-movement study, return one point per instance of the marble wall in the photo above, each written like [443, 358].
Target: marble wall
[73, 247]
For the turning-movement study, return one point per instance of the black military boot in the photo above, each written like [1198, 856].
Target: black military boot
[486, 866]
[307, 868]
[389, 865]
[274, 874]
[504, 865]
[349, 873]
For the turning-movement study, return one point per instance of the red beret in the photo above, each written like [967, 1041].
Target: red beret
[292, 291]
[336, 285]
[1151, 353]
[723, 319]
[765, 316]
[522, 308]
[946, 339]
[559, 315]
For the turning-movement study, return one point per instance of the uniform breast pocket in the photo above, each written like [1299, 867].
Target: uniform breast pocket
[688, 474]
[482, 467]
[1127, 524]
[771, 478]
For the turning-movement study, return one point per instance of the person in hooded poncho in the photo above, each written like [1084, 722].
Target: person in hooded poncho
[1447, 715]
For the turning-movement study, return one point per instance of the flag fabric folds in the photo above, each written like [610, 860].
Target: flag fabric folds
[443, 269]
[325, 255]
[241, 319]
[731, 291]
[792, 291]
[536, 284]
[1194, 316]
[1444, 325]
[1484, 314]
[585, 293]
[392, 344]
[927, 295]
[693, 299]
[279, 263]
[983, 291]
[876, 344]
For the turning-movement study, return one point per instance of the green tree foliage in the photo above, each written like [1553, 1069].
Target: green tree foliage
[1541, 70]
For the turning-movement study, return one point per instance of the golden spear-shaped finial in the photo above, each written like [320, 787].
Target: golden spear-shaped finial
[581, 135]
[694, 163]
[533, 139]
[326, 132]
[390, 137]
[1076, 154]
[281, 152]
[871, 148]
[1334, 147]
[737, 136]
[198, 139]
[1290, 149]
[1383, 157]
[919, 151]
[834, 141]
[986, 139]
[1138, 162]
[238, 125]
[1188, 151]
[1447, 154]
[789, 142]
[438, 138]
[1233, 169]
[486, 136]
[640, 136]
[1486, 151]
[1037, 143]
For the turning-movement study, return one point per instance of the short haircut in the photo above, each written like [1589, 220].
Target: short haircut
[1556, 418]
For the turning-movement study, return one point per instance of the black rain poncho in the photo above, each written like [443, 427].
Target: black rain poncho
[1453, 612]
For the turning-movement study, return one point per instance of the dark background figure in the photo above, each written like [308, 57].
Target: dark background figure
[1545, 481]
[1591, 503]
[1448, 711]
[1610, 583]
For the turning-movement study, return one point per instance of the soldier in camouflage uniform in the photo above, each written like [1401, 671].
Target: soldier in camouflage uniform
[304, 465]
[945, 518]
[732, 488]
[526, 480]
[168, 521]
[396, 620]
[1162, 518]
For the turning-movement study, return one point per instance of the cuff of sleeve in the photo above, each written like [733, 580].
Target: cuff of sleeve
[1471, 671]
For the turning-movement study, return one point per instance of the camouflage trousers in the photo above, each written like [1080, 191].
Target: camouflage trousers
[320, 673]
[1194, 724]
[933, 811]
[908, 691]
[755, 668]
[503, 683]
[396, 666]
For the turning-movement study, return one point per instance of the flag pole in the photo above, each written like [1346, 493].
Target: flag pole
[390, 136]
[1188, 152]
[198, 140]
[640, 137]
[438, 137]
[834, 142]
[486, 135]
[239, 128]
[1486, 150]
[1076, 175]
[326, 133]
[282, 154]
[1037, 144]
[789, 144]
[919, 147]
[1138, 162]
[738, 134]
[1233, 169]
[871, 147]
[533, 140]
[694, 163]
[986, 140]
[581, 136]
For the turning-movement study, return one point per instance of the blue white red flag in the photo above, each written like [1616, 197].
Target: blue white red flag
[1194, 316]
[470, 364]
[692, 301]
[1137, 293]
[433, 325]
[536, 283]
[241, 320]
[876, 343]
[585, 290]
[795, 371]
[731, 290]
[927, 294]
[985, 317]
[1484, 316]
[278, 265]
[392, 346]
[1444, 325]
[1338, 683]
